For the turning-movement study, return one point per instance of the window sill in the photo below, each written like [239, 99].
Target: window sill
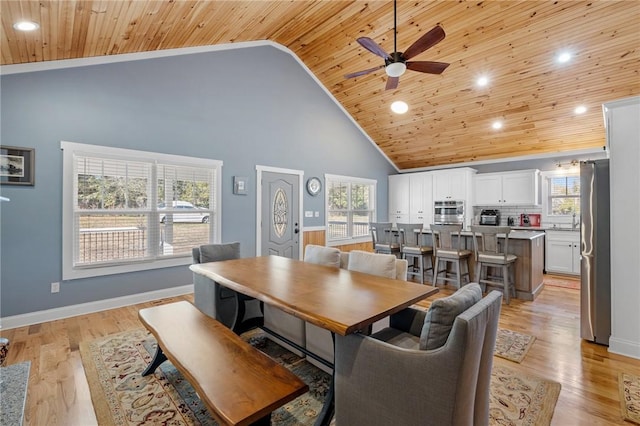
[90, 272]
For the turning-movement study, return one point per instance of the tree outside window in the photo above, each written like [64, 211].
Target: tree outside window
[350, 207]
[564, 195]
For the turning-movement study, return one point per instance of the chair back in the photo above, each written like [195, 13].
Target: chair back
[449, 385]
[321, 255]
[215, 252]
[488, 244]
[381, 233]
[409, 234]
[443, 237]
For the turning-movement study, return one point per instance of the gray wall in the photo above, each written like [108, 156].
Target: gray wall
[246, 107]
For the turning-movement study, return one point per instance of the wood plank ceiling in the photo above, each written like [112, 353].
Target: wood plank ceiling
[449, 119]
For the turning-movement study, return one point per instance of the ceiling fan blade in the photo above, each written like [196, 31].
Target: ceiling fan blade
[429, 67]
[433, 37]
[363, 72]
[392, 83]
[372, 47]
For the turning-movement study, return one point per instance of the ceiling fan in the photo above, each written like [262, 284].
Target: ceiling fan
[398, 62]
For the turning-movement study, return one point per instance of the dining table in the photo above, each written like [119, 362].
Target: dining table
[335, 299]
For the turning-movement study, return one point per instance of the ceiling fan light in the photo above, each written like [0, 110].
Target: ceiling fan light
[396, 69]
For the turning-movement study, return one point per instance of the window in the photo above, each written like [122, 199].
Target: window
[126, 210]
[350, 207]
[563, 195]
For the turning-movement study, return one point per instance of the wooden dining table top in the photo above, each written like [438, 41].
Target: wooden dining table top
[336, 299]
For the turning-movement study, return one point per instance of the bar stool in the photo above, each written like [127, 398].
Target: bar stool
[412, 249]
[446, 252]
[383, 239]
[488, 255]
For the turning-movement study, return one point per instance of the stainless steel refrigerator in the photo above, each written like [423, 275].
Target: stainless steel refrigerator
[595, 250]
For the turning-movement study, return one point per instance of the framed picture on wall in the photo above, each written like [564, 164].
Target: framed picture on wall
[17, 165]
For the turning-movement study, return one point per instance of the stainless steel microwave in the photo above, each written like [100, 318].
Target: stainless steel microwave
[447, 212]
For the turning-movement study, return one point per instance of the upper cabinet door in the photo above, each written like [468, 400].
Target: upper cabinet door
[520, 188]
[507, 189]
[488, 189]
[450, 185]
[398, 195]
[421, 193]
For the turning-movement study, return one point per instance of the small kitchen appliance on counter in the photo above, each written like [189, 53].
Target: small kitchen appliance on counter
[531, 219]
[490, 217]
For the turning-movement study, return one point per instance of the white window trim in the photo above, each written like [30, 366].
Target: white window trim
[351, 179]
[70, 149]
[546, 217]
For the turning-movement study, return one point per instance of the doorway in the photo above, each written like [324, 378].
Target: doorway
[278, 207]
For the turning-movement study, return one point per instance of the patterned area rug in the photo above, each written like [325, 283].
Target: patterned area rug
[630, 397]
[520, 399]
[121, 396]
[512, 345]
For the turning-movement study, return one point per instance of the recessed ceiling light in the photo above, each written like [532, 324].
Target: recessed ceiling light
[497, 125]
[580, 109]
[399, 107]
[26, 26]
[482, 81]
[564, 57]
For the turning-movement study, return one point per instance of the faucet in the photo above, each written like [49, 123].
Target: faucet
[575, 222]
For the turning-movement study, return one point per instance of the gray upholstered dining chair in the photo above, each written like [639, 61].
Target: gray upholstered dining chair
[219, 302]
[427, 368]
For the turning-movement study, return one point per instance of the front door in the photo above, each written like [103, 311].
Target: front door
[280, 214]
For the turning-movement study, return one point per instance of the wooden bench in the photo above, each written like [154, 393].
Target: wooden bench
[239, 384]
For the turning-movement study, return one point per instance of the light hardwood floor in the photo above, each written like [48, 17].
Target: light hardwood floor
[58, 392]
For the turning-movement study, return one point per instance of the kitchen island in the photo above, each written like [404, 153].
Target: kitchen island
[528, 246]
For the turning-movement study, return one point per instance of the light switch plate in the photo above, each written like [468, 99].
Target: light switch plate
[317, 214]
[308, 213]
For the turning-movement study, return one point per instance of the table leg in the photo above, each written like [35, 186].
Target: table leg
[329, 407]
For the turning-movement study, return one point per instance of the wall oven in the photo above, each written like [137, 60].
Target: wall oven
[448, 212]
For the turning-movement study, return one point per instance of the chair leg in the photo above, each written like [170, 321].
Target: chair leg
[435, 271]
[458, 277]
[421, 268]
[430, 268]
[507, 288]
[476, 273]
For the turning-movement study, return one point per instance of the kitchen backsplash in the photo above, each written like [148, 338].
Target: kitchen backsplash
[505, 212]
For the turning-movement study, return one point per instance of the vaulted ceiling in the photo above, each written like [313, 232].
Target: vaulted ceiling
[513, 43]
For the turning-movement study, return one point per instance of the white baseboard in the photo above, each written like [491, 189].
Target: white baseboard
[624, 347]
[90, 307]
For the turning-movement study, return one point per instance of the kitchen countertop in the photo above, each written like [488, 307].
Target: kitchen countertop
[526, 234]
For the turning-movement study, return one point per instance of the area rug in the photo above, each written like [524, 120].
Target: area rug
[121, 396]
[512, 345]
[630, 397]
[521, 399]
[13, 392]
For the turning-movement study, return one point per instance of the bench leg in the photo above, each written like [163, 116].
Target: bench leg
[158, 359]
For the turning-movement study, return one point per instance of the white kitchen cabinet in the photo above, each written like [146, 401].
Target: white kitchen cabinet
[516, 188]
[562, 253]
[453, 184]
[421, 198]
[399, 198]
